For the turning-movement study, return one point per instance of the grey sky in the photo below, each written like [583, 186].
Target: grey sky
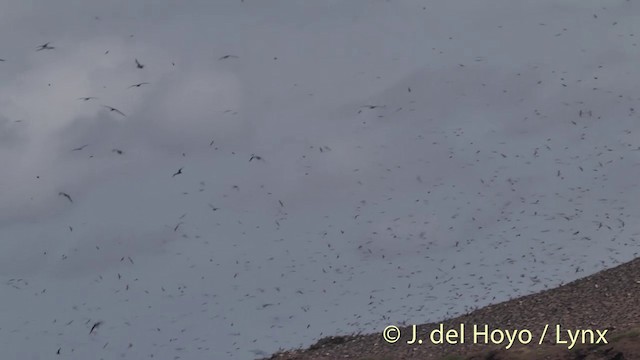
[476, 157]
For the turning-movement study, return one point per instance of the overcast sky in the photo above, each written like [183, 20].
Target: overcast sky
[414, 159]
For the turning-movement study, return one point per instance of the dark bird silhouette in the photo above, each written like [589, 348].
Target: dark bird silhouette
[118, 151]
[45, 46]
[65, 195]
[114, 109]
[177, 172]
[229, 57]
[87, 98]
[80, 148]
[2, 60]
[254, 156]
[138, 65]
[138, 85]
[95, 326]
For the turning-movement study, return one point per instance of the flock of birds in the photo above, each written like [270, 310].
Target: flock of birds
[138, 65]
[466, 195]
[20, 283]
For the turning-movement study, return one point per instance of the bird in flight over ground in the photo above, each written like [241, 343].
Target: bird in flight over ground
[118, 151]
[87, 98]
[65, 195]
[80, 148]
[138, 85]
[177, 172]
[229, 57]
[114, 109]
[138, 65]
[45, 46]
[2, 60]
[254, 156]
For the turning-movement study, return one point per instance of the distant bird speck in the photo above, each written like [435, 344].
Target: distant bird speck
[65, 195]
[80, 147]
[138, 85]
[114, 109]
[95, 326]
[45, 46]
[254, 156]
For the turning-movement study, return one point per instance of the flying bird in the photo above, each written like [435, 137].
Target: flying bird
[65, 195]
[114, 109]
[95, 326]
[177, 172]
[2, 60]
[254, 156]
[138, 85]
[118, 151]
[80, 148]
[87, 98]
[229, 57]
[45, 46]
[138, 65]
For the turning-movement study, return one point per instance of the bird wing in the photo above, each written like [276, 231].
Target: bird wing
[114, 109]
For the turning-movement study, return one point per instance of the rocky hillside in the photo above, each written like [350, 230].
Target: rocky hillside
[602, 309]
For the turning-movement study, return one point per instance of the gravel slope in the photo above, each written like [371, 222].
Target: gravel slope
[608, 300]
